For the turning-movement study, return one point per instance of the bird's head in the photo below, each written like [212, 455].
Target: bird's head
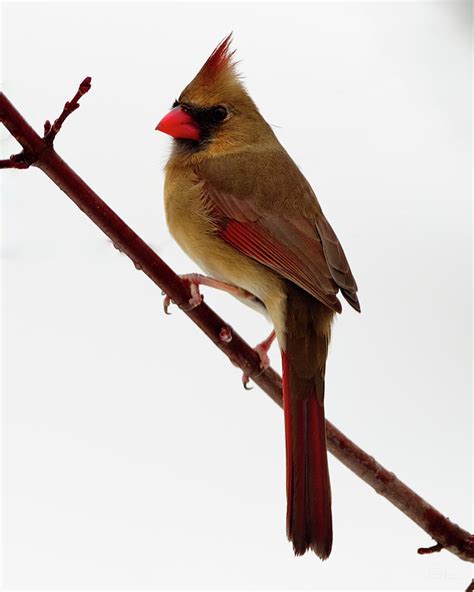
[214, 113]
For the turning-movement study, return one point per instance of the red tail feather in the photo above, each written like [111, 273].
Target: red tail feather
[309, 520]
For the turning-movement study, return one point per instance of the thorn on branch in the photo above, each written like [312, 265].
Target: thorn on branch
[429, 550]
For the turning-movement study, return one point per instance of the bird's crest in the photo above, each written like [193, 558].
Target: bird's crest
[217, 80]
[219, 61]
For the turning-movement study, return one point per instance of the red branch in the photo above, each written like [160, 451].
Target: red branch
[39, 152]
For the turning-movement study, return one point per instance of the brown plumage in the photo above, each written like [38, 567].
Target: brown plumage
[239, 206]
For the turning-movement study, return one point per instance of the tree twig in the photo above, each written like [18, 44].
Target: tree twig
[39, 152]
[428, 550]
[30, 155]
[14, 162]
[50, 131]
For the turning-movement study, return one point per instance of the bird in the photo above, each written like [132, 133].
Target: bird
[241, 209]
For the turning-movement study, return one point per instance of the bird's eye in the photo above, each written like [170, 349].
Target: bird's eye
[219, 113]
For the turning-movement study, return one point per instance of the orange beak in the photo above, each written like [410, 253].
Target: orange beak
[179, 124]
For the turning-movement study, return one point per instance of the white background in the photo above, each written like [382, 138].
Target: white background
[132, 458]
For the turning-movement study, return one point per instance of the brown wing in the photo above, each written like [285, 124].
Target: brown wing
[265, 208]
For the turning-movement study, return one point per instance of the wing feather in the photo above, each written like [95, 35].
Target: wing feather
[296, 242]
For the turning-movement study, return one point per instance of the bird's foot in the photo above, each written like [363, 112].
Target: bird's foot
[195, 280]
[262, 350]
[196, 296]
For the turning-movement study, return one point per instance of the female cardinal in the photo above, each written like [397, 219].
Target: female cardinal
[241, 209]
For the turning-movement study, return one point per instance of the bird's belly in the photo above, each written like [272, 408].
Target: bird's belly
[221, 262]
[193, 229]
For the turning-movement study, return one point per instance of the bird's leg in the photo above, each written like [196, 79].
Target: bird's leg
[262, 351]
[195, 280]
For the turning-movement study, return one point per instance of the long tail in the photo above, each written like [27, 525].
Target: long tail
[309, 519]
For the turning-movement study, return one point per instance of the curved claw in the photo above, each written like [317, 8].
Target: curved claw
[195, 300]
[166, 304]
[262, 350]
[245, 382]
